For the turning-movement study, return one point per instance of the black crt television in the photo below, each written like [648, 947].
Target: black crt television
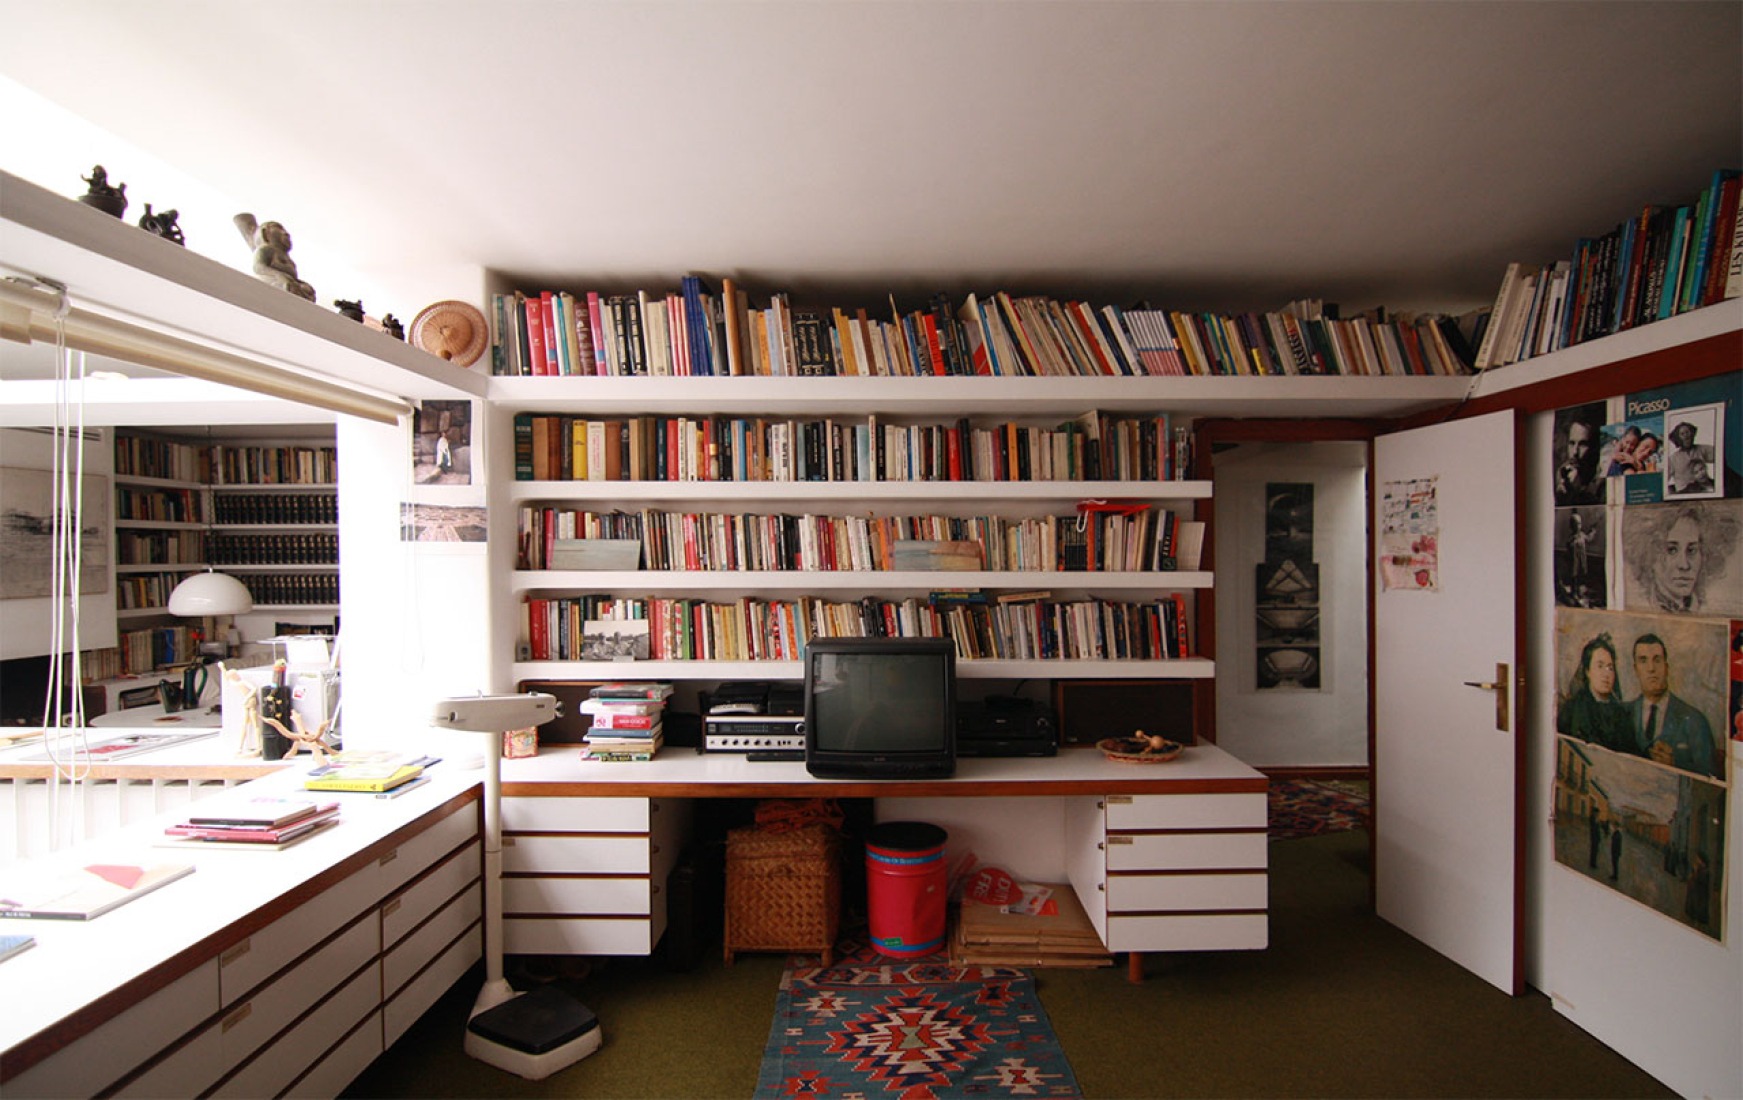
[880, 708]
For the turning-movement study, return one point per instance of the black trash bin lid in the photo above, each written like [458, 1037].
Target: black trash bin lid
[906, 836]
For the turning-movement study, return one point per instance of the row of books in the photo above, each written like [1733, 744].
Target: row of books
[285, 465]
[316, 548]
[1663, 261]
[698, 330]
[143, 456]
[292, 588]
[159, 505]
[141, 651]
[1100, 537]
[627, 721]
[282, 509]
[159, 547]
[1009, 626]
[1094, 446]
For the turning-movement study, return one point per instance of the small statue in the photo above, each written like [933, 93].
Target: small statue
[164, 224]
[250, 745]
[353, 310]
[110, 200]
[301, 737]
[272, 262]
[391, 325]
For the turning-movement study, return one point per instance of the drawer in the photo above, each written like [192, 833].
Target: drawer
[620, 855]
[403, 1008]
[252, 1022]
[1144, 893]
[1185, 811]
[1189, 932]
[417, 853]
[402, 962]
[191, 1070]
[605, 896]
[246, 964]
[328, 1077]
[1186, 851]
[406, 910]
[285, 1059]
[577, 815]
[99, 1059]
[583, 935]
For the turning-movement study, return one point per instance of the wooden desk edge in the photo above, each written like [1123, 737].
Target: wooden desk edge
[887, 788]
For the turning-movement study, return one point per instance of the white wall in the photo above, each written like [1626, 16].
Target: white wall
[1293, 728]
[24, 623]
[415, 623]
[1665, 997]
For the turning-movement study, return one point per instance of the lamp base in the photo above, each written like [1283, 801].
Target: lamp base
[532, 1034]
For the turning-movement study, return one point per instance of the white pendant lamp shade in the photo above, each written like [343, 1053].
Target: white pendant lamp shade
[210, 593]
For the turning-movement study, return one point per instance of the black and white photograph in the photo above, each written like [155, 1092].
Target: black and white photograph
[1287, 668]
[441, 523]
[1578, 439]
[442, 443]
[27, 509]
[1289, 521]
[1696, 439]
[1582, 556]
[615, 640]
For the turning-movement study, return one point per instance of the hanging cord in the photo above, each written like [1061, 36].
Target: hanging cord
[64, 715]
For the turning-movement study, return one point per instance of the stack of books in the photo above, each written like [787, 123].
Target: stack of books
[261, 822]
[377, 773]
[626, 721]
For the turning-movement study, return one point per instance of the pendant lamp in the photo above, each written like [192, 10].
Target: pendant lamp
[209, 593]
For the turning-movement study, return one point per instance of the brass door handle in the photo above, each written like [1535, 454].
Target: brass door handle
[1499, 686]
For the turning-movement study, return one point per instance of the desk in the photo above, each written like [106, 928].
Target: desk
[153, 717]
[348, 937]
[1163, 856]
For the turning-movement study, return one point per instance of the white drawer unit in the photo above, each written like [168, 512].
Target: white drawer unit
[300, 996]
[1174, 872]
[587, 876]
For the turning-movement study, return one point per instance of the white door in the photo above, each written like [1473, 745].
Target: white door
[1448, 842]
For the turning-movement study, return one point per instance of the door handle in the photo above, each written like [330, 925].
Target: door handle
[1499, 685]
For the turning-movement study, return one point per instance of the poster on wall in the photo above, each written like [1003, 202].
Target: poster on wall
[1649, 643]
[1286, 612]
[1409, 536]
[442, 443]
[441, 523]
[27, 510]
[1651, 833]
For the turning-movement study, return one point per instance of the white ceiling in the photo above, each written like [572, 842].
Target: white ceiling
[1202, 155]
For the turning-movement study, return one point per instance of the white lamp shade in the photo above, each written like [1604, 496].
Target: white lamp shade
[210, 594]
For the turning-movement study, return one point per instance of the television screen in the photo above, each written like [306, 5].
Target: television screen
[880, 706]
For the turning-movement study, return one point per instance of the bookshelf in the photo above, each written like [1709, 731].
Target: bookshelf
[265, 512]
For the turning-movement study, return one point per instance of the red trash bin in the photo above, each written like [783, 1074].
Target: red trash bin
[906, 884]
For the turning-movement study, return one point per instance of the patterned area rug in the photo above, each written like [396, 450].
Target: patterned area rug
[911, 1031]
[1309, 807]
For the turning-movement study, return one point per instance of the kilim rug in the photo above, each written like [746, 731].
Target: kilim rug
[911, 1030]
[1309, 807]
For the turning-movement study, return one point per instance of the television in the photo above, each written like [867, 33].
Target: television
[880, 708]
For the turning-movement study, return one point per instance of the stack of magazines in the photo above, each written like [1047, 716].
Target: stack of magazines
[626, 721]
[262, 821]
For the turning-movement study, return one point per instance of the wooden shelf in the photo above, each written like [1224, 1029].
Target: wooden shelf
[794, 582]
[1190, 668]
[715, 493]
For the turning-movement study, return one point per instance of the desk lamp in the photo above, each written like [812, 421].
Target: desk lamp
[531, 1034]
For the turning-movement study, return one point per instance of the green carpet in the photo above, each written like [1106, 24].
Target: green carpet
[1341, 1005]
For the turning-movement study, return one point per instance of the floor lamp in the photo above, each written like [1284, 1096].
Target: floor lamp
[531, 1034]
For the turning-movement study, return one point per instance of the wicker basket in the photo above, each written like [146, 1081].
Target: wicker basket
[783, 891]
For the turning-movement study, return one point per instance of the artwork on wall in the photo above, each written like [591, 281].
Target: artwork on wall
[1649, 646]
[1409, 536]
[442, 443]
[1286, 591]
[441, 523]
[27, 508]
